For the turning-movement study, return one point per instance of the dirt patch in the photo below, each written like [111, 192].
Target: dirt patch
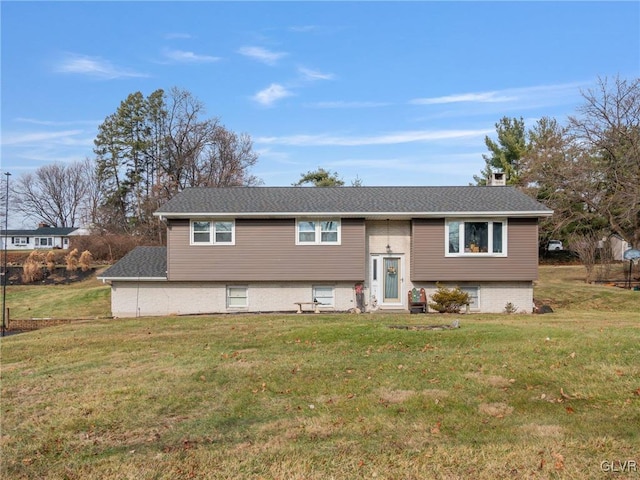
[395, 396]
[454, 325]
[497, 410]
[435, 393]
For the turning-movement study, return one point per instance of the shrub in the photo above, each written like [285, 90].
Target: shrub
[108, 248]
[32, 268]
[510, 308]
[72, 260]
[51, 260]
[86, 259]
[449, 300]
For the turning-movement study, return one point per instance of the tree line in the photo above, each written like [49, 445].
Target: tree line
[587, 170]
[145, 152]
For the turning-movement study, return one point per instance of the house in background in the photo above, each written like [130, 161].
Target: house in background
[43, 237]
[264, 249]
[618, 246]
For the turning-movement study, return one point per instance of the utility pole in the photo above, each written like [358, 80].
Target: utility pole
[5, 277]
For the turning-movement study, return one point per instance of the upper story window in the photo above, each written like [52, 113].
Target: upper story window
[476, 237]
[209, 232]
[325, 231]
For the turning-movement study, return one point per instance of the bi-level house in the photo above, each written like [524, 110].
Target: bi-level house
[265, 249]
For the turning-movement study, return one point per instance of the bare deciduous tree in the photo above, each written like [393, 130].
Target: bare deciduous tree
[585, 244]
[589, 171]
[609, 126]
[54, 193]
[154, 147]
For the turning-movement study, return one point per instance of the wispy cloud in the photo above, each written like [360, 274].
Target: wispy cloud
[31, 148]
[262, 54]
[308, 74]
[484, 97]
[411, 136]
[61, 137]
[304, 28]
[539, 94]
[74, 63]
[443, 162]
[177, 35]
[56, 123]
[271, 94]
[182, 56]
[343, 104]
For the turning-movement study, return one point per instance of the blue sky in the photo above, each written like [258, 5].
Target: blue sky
[394, 93]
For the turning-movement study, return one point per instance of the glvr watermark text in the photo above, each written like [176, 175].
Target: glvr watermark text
[616, 466]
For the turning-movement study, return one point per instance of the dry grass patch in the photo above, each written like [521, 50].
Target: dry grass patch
[496, 381]
[394, 396]
[498, 410]
[435, 394]
[543, 431]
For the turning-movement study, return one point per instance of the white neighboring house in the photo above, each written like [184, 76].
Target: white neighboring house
[44, 237]
[618, 246]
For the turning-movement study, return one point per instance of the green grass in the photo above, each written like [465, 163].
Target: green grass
[89, 298]
[331, 396]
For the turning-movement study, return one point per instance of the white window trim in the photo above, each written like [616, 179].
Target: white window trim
[318, 231]
[20, 241]
[246, 297]
[212, 232]
[490, 253]
[333, 294]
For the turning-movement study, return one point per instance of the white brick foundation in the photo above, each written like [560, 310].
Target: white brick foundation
[131, 299]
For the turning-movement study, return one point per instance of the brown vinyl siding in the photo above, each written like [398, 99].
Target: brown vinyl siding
[429, 263]
[266, 250]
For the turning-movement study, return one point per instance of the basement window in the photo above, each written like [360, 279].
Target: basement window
[237, 297]
[474, 295]
[324, 294]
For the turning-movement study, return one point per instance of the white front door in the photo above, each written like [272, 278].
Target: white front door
[387, 280]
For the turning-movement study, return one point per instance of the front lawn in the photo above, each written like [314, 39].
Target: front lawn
[332, 396]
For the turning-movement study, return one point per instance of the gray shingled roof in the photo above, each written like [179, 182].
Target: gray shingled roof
[141, 262]
[41, 232]
[273, 201]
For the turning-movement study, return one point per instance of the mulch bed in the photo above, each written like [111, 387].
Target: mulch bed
[59, 276]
